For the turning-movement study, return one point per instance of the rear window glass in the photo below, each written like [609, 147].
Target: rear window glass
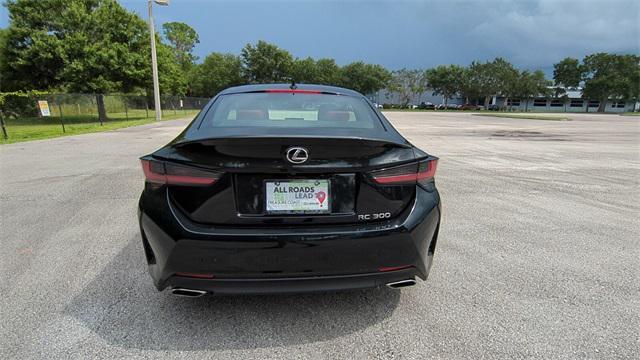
[291, 110]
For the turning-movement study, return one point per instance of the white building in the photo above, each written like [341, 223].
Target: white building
[573, 102]
[387, 97]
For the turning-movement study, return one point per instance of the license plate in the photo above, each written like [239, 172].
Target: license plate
[297, 196]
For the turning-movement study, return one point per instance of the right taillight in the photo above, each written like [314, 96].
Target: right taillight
[421, 172]
[158, 172]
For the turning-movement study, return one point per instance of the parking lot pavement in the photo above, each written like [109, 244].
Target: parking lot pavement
[537, 255]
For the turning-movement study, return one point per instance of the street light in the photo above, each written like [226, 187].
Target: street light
[154, 59]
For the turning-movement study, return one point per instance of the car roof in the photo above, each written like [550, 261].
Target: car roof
[313, 87]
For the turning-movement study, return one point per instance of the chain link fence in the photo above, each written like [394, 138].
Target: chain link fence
[73, 111]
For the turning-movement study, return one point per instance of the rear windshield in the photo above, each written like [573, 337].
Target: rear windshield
[291, 110]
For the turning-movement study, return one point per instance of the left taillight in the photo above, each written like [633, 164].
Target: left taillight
[159, 172]
[421, 172]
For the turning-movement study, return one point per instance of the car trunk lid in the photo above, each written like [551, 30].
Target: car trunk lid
[249, 164]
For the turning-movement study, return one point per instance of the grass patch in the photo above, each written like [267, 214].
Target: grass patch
[528, 116]
[636, 113]
[26, 129]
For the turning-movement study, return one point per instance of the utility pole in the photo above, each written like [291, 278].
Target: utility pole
[154, 59]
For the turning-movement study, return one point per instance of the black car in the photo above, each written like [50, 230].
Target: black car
[426, 106]
[285, 188]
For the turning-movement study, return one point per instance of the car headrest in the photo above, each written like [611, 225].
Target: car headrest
[251, 114]
[331, 112]
[336, 115]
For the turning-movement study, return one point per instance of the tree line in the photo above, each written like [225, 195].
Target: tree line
[267, 63]
[602, 76]
[97, 46]
[476, 82]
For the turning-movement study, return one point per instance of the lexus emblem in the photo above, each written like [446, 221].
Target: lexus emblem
[297, 155]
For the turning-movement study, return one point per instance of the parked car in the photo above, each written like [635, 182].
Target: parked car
[493, 107]
[448, 107]
[426, 106]
[278, 189]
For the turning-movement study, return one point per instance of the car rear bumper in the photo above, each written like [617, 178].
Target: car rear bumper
[285, 260]
[284, 285]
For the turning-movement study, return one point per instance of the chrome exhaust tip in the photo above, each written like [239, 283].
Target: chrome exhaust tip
[187, 292]
[401, 283]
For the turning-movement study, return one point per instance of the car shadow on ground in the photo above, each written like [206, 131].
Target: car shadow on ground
[122, 307]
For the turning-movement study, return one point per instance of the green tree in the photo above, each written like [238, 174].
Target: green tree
[266, 63]
[608, 76]
[605, 76]
[530, 85]
[445, 80]
[469, 87]
[482, 80]
[34, 43]
[304, 71]
[183, 38]
[328, 72]
[364, 78]
[3, 55]
[634, 88]
[91, 46]
[491, 78]
[507, 78]
[217, 72]
[408, 84]
[171, 75]
[567, 73]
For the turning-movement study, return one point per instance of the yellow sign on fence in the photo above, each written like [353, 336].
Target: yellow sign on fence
[43, 105]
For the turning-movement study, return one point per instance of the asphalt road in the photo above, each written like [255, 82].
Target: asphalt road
[538, 255]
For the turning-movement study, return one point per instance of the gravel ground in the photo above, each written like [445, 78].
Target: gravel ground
[538, 255]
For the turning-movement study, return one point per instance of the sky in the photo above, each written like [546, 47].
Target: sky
[532, 34]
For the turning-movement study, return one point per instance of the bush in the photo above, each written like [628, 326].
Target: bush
[397, 106]
[18, 105]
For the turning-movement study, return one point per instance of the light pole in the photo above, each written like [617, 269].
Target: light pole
[154, 59]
